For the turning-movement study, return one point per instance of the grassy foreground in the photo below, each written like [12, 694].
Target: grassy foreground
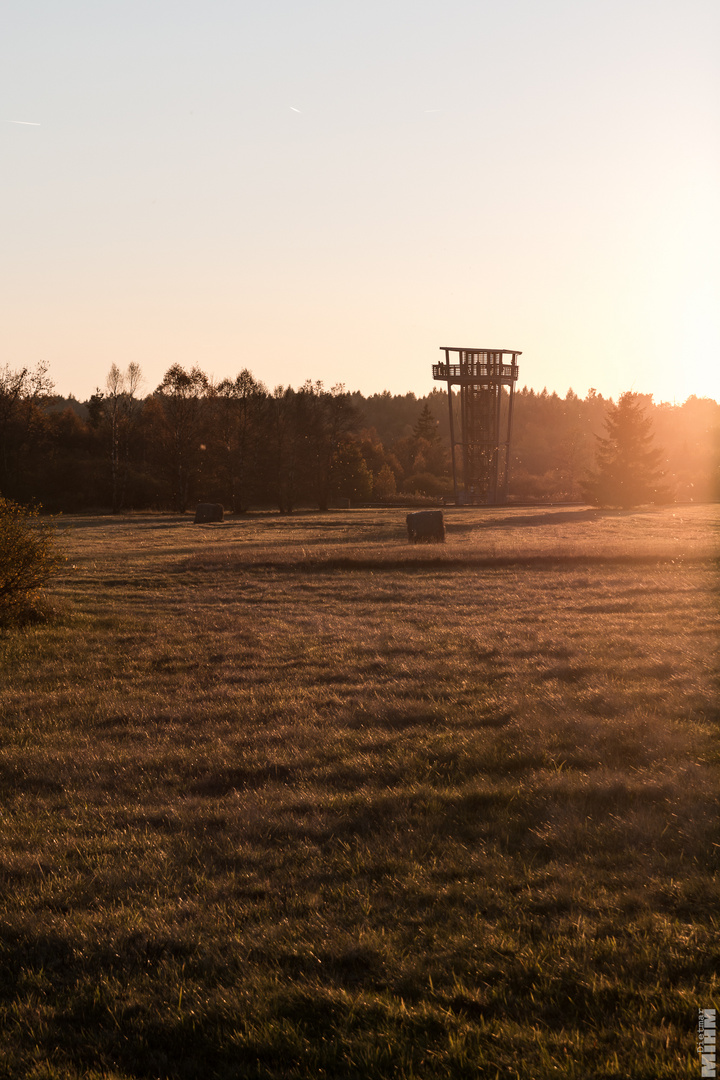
[290, 798]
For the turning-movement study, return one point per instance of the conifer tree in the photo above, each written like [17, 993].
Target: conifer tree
[426, 426]
[627, 472]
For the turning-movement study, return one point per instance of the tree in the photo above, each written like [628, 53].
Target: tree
[331, 420]
[283, 429]
[427, 426]
[27, 559]
[351, 478]
[628, 469]
[21, 394]
[181, 394]
[73, 472]
[120, 409]
[238, 412]
[384, 486]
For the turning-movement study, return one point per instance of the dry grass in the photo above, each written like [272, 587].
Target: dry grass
[290, 797]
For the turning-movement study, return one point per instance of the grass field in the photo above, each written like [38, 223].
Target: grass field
[288, 797]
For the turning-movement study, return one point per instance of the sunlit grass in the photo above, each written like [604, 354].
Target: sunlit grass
[289, 798]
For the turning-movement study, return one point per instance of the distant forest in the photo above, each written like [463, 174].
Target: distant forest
[238, 443]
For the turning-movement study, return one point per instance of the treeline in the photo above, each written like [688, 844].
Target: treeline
[238, 443]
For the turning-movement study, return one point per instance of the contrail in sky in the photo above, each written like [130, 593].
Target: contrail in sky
[28, 123]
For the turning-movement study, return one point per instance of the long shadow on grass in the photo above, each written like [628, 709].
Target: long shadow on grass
[298, 1029]
[85, 1027]
[560, 517]
[419, 562]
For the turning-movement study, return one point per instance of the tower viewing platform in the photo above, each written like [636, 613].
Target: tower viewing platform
[473, 365]
[486, 379]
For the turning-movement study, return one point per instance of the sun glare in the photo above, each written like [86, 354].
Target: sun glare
[700, 352]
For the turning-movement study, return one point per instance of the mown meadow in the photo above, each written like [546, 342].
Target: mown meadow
[289, 797]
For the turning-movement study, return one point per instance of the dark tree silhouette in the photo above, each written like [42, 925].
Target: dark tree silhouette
[238, 410]
[283, 437]
[628, 469]
[351, 478]
[427, 426]
[333, 420]
[118, 407]
[235, 443]
[21, 395]
[181, 394]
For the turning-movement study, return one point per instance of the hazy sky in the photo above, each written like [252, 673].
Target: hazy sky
[334, 189]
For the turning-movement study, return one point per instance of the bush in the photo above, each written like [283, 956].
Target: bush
[27, 559]
[426, 483]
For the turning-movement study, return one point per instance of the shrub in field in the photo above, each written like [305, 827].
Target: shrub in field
[27, 558]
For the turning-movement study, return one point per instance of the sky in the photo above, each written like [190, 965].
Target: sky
[334, 189]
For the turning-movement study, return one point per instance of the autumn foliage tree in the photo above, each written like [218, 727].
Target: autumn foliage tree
[28, 557]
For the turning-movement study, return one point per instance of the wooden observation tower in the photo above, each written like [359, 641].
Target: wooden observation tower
[486, 410]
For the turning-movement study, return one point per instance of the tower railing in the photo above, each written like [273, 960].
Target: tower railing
[475, 371]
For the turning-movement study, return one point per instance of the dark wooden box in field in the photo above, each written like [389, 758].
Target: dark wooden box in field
[206, 513]
[426, 526]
